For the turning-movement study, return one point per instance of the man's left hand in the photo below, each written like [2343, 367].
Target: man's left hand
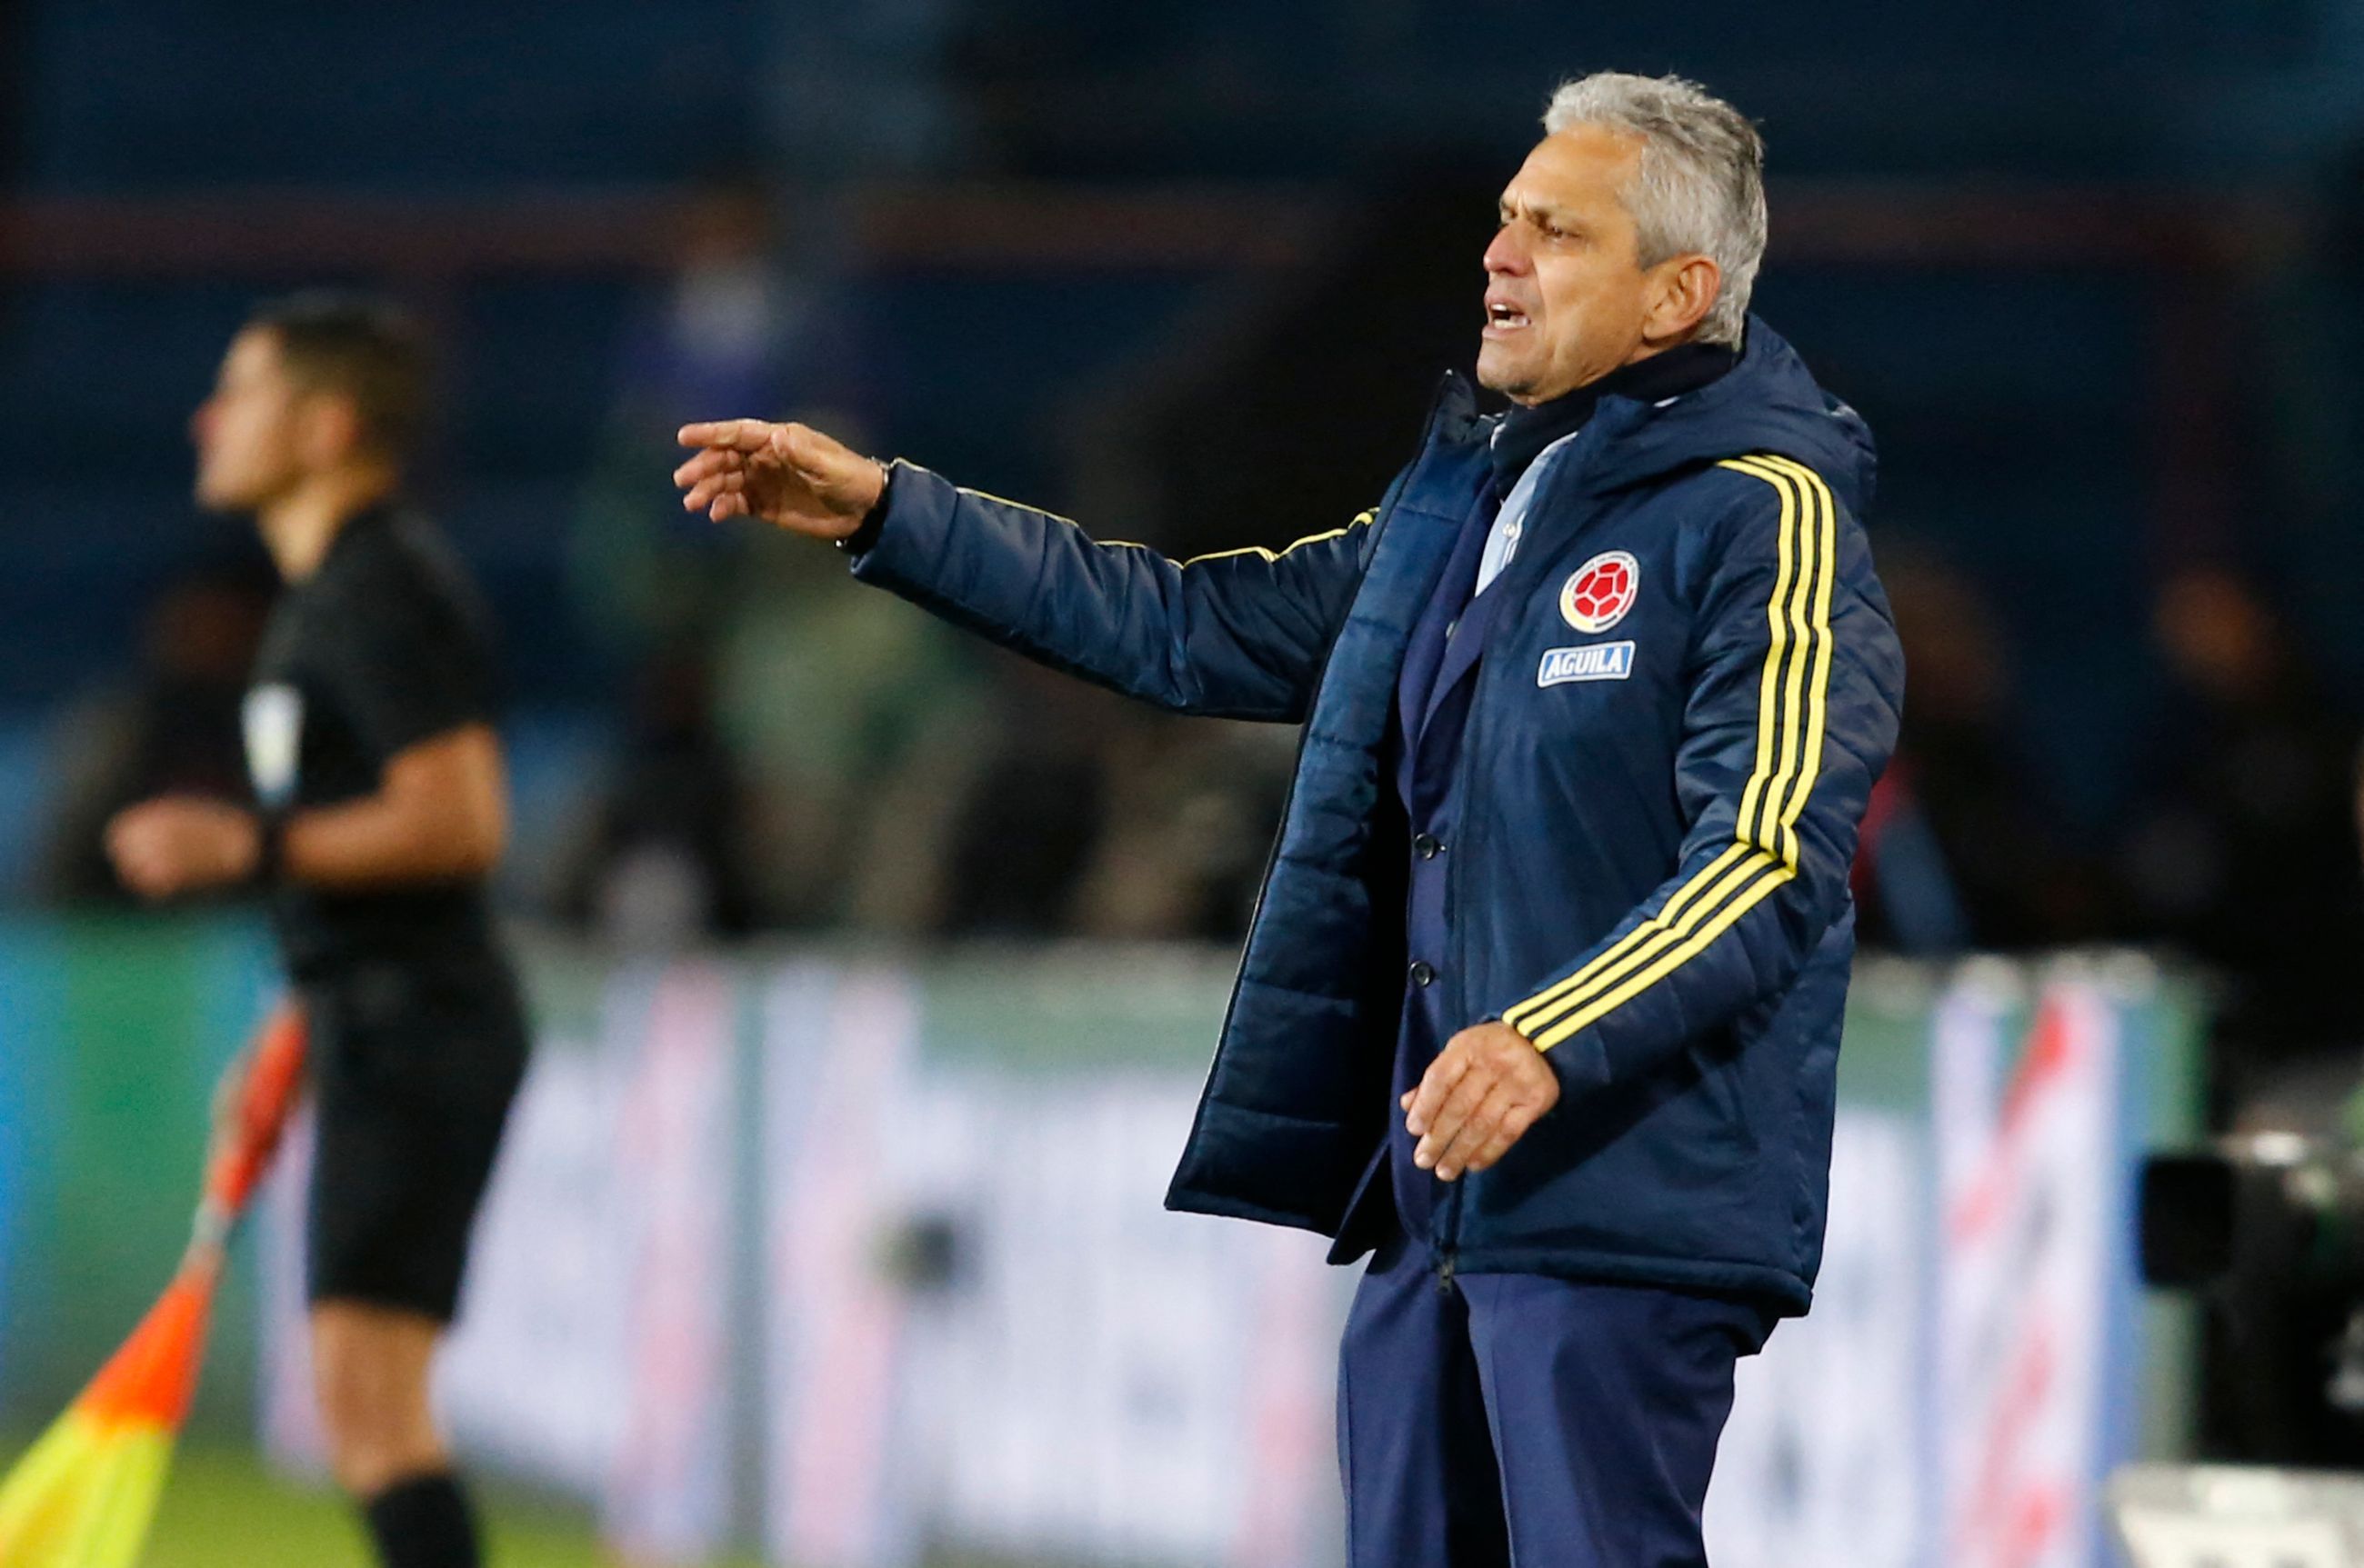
[1479, 1096]
[183, 844]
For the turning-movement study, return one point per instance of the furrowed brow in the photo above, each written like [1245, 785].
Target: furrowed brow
[1532, 210]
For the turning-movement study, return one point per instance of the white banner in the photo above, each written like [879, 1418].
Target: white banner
[984, 1329]
[1113, 1383]
[668, 1493]
[842, 1486]
[534, 1378]
[1822, 1462]
[956, 1315]
[2029, 1186]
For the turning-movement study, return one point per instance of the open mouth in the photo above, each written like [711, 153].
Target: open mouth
[1502, 316]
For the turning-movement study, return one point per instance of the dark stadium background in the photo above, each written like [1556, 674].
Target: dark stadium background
[1186, 271]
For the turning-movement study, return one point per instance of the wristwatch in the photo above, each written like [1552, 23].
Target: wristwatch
[863, 539]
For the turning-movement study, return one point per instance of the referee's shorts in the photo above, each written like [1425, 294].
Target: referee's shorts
[415, 1063]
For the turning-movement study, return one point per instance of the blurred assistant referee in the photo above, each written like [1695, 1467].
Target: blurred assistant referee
[1542, 1002]
[382, 811]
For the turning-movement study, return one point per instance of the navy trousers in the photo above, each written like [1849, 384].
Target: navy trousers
[1520, 1421]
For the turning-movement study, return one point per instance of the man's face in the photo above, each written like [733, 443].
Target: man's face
[1567, 297]
[250, 433]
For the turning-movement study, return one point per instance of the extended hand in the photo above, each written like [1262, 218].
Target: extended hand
[181, 844]
[791, 476]
[1479, 1096]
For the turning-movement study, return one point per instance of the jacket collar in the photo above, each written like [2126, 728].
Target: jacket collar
[1767, 402]
[1524, 433]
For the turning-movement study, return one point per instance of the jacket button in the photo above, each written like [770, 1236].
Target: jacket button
[1422, 973]
[1426, 846]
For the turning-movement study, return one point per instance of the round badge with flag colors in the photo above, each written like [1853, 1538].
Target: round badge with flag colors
[1597, 597]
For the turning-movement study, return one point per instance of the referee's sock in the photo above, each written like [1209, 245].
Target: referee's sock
[424, 1522]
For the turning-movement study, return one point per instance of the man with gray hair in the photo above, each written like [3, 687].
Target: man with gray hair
[1540, 1007]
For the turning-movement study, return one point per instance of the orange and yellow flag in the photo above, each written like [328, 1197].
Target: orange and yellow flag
[84, 1494]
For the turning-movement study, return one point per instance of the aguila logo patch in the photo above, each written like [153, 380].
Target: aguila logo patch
[1602, 590]
[1593, 662]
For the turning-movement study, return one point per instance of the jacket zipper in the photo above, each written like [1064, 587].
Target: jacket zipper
[1465, 830]
[1448, 1241]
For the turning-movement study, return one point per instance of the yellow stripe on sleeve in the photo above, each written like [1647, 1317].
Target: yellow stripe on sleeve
[1360, 519]
[1310, 538]
[1792, 692]
[1748, 899]
[1817, 709]
[1771, 809]
[1016, 505]
[1778, 627]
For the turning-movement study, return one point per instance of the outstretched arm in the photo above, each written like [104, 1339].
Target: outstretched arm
[1240, 634]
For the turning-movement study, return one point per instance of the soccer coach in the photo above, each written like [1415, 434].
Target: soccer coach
[1592, 700]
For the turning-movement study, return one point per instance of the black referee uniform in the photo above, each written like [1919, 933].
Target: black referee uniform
[418, 1035]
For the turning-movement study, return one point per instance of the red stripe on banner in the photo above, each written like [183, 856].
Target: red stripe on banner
[1997, 1507]
[2049, 1053]
[2034, 1195]
[669, 1496]
[836, 1076]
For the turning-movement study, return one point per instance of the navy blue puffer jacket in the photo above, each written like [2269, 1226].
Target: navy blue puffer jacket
[1660, 794]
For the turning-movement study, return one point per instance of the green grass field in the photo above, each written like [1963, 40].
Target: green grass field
[222, 1509]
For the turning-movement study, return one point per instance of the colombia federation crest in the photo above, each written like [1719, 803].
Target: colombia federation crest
[1600, 592]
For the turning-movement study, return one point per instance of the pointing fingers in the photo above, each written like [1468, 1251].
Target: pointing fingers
[713, 460]
[707, 490]
[738, 435]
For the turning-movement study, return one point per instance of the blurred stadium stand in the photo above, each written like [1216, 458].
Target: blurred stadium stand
[1187, 270]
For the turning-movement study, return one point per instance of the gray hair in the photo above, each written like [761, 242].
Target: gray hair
[1701, 188]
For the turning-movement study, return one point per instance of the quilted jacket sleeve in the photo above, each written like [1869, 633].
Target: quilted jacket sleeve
[1796, 686]
[1239, 635]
